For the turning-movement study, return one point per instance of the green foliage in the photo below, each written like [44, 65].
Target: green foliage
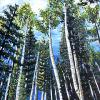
[43, 65]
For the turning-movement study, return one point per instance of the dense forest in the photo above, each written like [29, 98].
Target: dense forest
[29, 67]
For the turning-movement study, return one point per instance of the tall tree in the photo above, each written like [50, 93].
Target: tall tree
[11, 40]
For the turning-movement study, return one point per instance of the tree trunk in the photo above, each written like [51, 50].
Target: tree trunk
[97, 66]
[42, 96]
[7, 88]
[36, 91]
[91, 90]
[53, 62]
[66, 87]
[35, 71]
[92, 94]
[70, 53]
[97, 31]
[78, 77]
[35, 84]
[95, 80]
[56, 93]
[20, 73]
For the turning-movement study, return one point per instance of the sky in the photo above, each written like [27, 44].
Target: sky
[35, 4]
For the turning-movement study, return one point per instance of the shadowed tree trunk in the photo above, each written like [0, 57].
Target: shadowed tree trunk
[20, 73]
[70, 53]
[35, 71]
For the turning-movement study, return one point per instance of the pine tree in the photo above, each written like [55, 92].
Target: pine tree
[9, 44]
[29, 60]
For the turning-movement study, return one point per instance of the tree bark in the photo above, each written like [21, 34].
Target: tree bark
[97, 31]
[97, 66]
[78, 77]
[53, 62]
[42, 96]
[7, 88]
[70, 53]
[35, 71]
[95, 80]
[20, 73]
[66, 87]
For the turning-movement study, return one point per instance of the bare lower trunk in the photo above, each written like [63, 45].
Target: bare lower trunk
[42, 96]
[91, 90]
[95, 80]
[51, 91]
[55, 93]
[7, 88]
[35, 71]
[78, 77]
[45, 96]
[66, 87]
[92, 94]
[53, 63]
[97, 32]
[20, 73]
[35, 85]
[36, 91]
[97, 66]
[70, 54]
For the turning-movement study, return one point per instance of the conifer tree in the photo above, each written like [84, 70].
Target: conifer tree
[9, 44]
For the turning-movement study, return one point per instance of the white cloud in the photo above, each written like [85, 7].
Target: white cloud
[38, 4]
[35, 4]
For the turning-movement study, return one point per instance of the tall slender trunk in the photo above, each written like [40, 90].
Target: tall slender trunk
[78, 77]
[66, 87]
[45, 96]
[20, 73]
[92, 94]
[36, 91]
[51, 90]
[7, 88]
[56, 93]
[91, 90]
[42, 96]
[35, 71]
[35, 84]
[95, 80]
[97, 66]
[97, 31]
[70, 53]
[53, 62]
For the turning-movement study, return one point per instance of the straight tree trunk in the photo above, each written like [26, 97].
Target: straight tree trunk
[70, 53]
[97, 66]
[95, 80]
[91, 90]
[20, 73]
[78, 77]
[53, 62]
[7, 88]
[35, 71]
[36, 91]
[56, 93]
[42, 96]
[51, 90]
[97, 31]
[66, 87]
[92, 93]
[35, 82]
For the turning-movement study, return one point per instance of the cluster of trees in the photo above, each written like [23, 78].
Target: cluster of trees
[28, 69]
